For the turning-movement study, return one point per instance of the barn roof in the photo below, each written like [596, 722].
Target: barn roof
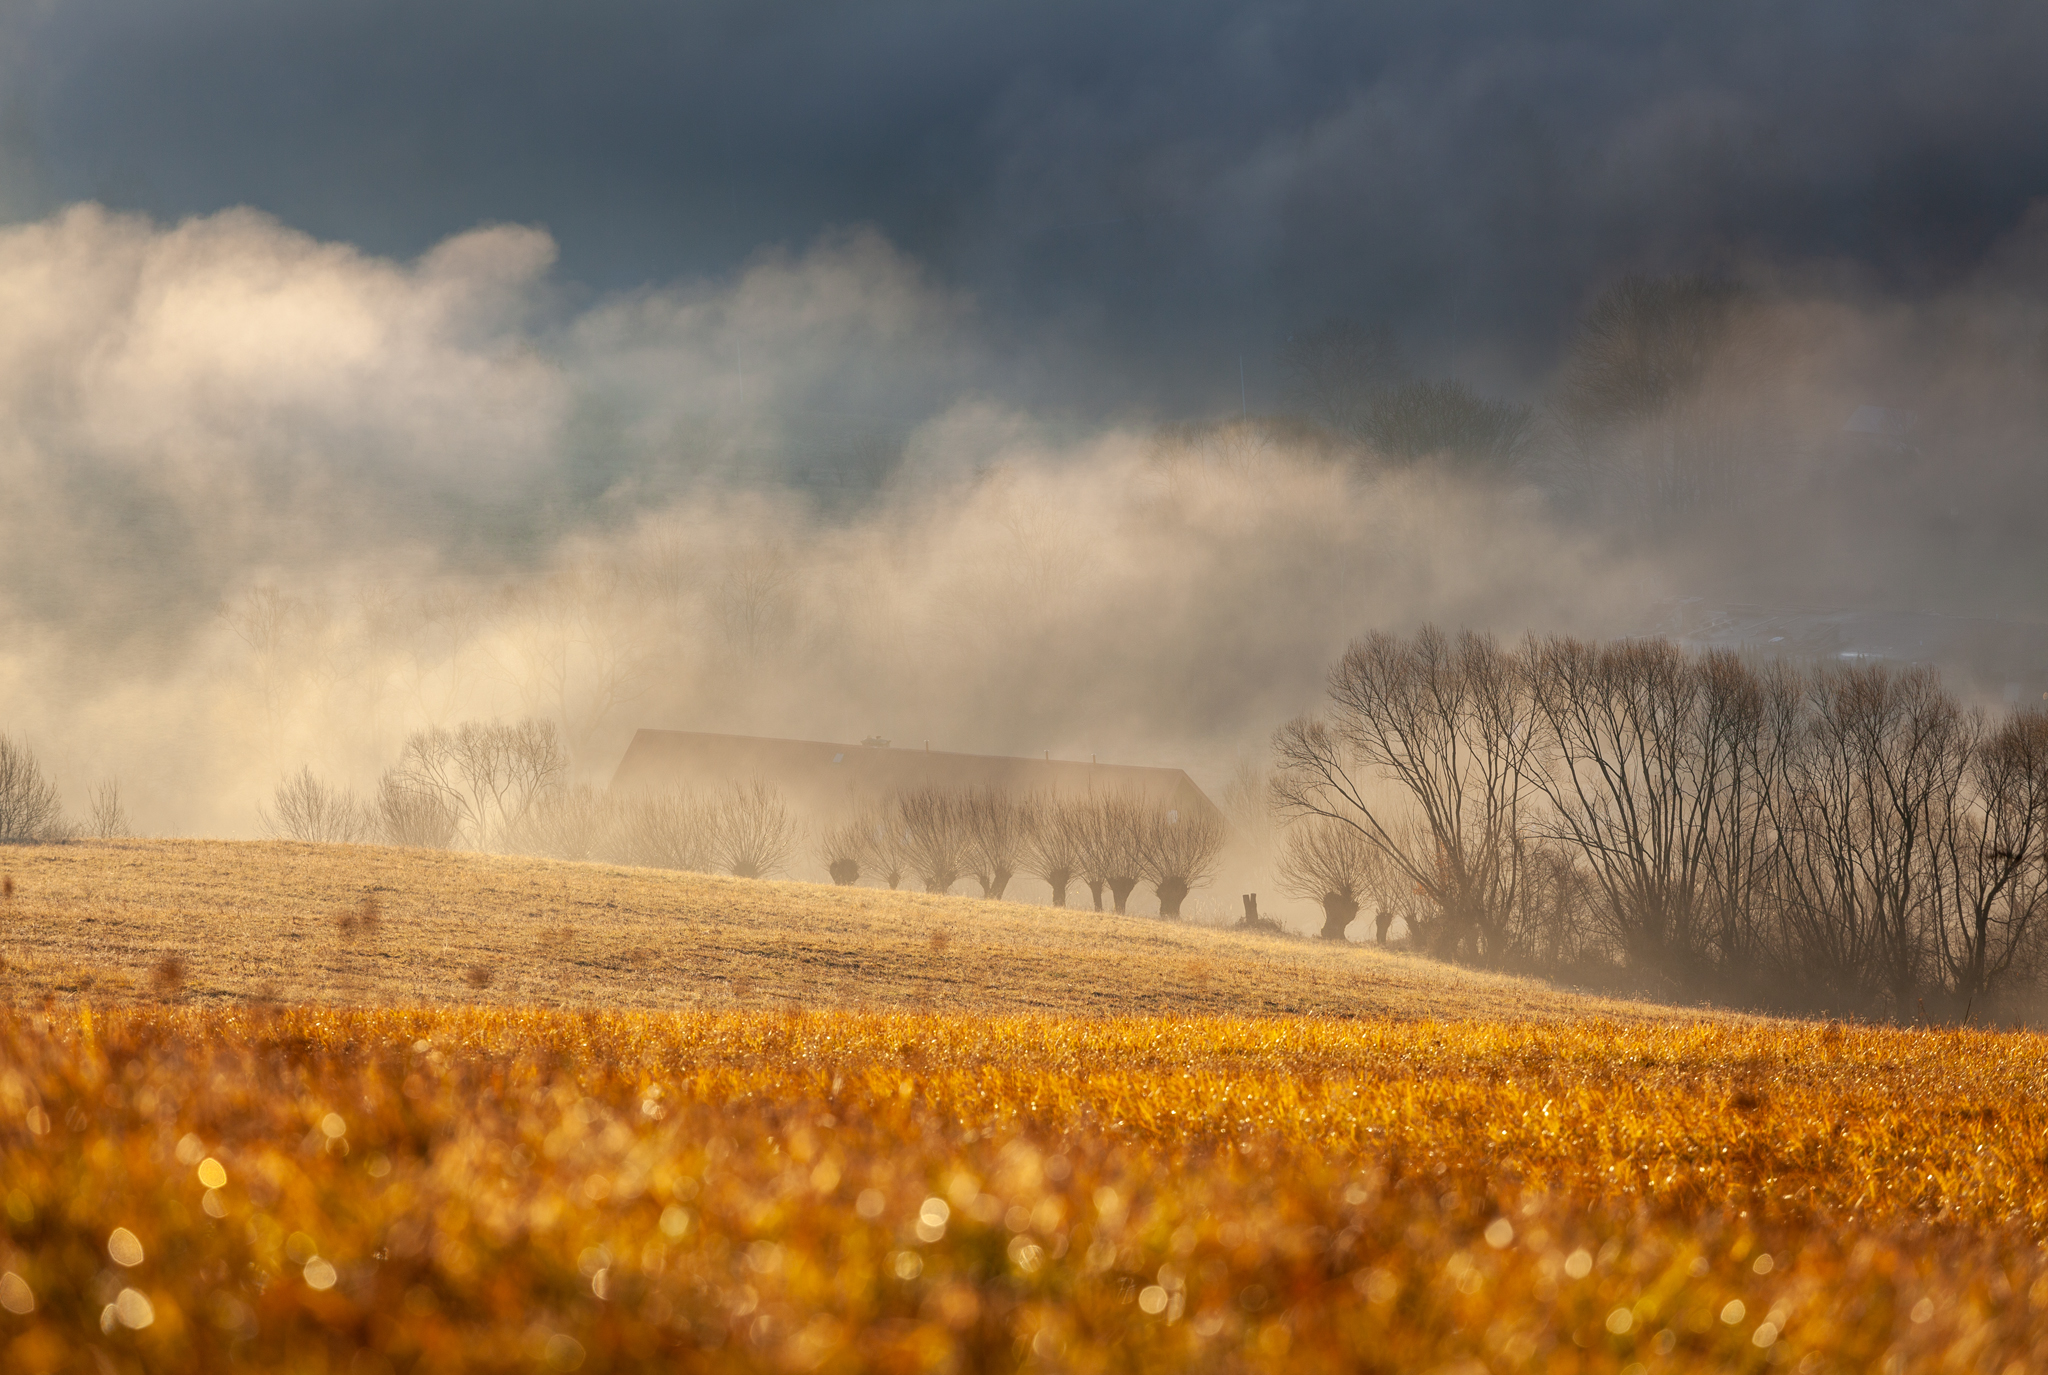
[826, 778]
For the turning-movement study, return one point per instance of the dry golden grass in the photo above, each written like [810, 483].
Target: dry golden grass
[211, 921]
[306, 1190]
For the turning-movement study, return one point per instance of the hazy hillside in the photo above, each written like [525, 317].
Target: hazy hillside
[209, 921]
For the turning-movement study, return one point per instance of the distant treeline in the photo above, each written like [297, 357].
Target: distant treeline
[1110, 841]
[1833, 837]
[501, 787]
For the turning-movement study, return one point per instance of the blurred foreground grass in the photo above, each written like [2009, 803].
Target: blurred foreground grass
[498, 1189]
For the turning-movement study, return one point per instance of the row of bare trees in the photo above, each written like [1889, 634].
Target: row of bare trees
[1109, 842]
[31, 811]
[743, 829]
[471, 786]
[500, 787]
[1841, 836]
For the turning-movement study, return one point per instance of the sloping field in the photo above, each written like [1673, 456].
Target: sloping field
[972, 1168]
[370, 925]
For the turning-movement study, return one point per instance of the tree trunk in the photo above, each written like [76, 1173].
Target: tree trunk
[1978, 948]
[1172, 893]
[1059, 884]
[1095, 891]
[1000, 881]
[1383, 920]
[844, 871]
[1338, 913]
[1120, 890]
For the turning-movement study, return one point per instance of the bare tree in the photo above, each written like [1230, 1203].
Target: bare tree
[1084, 815]
[29, 808]
[1555, 896]
[1334, 864]
[1444, 725]
[1756, 714]
[934, 822]
[884, 844]
[486, 773]
[998, 828]
[1992, 849]
[1113, 835]
[1640, 760]
[304, 808]
[753, 834]
[1054, 844]
[106, 818]
[1180, 849]
[1878, 769]
[518, 764]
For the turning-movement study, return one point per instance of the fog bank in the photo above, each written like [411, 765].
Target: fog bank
[275, 501]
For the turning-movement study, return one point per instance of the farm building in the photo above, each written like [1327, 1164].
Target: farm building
[830, 780]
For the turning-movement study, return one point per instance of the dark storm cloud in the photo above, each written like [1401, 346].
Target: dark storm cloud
[1160, 187]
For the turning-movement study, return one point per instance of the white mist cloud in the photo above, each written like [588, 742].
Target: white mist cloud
[275, 501]
[272, 501]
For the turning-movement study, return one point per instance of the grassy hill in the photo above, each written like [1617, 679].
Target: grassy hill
[212, 921]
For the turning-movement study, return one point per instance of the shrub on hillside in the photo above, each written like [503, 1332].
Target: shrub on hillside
[568, 823]
[840, 849]
[107, 819]
[665, 830]
[408, 814]
[304, 808]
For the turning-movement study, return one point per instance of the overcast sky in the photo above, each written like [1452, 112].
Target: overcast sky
[1138, 194]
